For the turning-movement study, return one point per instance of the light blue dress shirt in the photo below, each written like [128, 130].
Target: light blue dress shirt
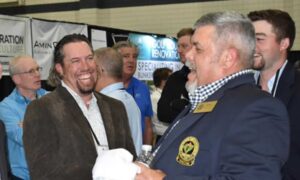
[12, 110]
[118, 92]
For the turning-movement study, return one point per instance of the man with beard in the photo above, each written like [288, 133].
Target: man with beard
[25, 73]
[275, 34]
[64, 130]
[231, 129]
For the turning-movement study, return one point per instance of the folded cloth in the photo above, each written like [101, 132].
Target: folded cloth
[115, 164]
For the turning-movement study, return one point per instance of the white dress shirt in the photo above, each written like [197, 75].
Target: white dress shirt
[93, 115]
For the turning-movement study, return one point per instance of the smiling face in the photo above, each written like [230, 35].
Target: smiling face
[268, 49]
[204, 56]
[79, 68]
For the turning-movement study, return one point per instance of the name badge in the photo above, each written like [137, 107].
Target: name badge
[205, 107]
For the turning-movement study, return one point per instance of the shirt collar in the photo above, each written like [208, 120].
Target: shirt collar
[203, 92]
[112, 87]
[272, 79]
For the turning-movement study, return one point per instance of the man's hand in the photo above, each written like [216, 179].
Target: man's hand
[149, 174]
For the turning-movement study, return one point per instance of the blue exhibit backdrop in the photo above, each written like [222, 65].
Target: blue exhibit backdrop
[155, 52]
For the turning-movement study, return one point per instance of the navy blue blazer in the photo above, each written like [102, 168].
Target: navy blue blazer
[289, 92]
[245, 137]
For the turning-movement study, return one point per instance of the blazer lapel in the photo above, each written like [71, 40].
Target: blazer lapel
[285, 86]
[107, 120]
[76, 116]
[187, 119]
[183, 122]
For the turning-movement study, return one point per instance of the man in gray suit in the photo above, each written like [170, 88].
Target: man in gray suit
[64, 130]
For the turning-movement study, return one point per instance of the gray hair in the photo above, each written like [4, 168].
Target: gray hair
[14, 64]
[123, 44]
[111, 60]
[232, 29]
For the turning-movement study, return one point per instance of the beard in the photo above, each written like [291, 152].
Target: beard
[86, 87]
[258, 62]
[191, 86]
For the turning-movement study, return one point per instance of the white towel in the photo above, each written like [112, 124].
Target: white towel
[115, 164]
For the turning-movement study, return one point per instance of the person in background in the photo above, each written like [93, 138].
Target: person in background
[174, 96]
[275, 34]
[232, 129]
[139, 91]
[25, 73]
[66, 129]
[3, 160]
[160, 76]
[110, 71]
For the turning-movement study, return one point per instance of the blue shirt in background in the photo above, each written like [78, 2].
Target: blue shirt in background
[12, 110]
[141, 94]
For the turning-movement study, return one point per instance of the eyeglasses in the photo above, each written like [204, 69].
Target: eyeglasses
[32, 71]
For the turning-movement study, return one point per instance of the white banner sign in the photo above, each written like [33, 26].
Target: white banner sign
[98, 38]
[15, 39]
[45, 35]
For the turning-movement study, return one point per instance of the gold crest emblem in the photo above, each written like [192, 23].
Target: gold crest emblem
[188, 151]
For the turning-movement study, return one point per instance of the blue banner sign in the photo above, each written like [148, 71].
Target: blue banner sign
[155, 52]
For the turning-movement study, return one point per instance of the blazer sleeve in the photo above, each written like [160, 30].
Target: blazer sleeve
[254, 147]
[40, 142]
[45, 148]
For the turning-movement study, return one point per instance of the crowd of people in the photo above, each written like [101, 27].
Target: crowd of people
[230, 112]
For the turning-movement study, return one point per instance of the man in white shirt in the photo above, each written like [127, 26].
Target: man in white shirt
[275, 34]
[109, 63]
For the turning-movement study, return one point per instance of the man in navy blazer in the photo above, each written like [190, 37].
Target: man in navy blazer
[275, 34]
[231, 129]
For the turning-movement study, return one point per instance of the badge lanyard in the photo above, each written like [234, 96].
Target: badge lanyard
[99, 148]
[94, 135]
[165, 136]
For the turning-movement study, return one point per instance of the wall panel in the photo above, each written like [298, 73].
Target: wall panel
[167, 19]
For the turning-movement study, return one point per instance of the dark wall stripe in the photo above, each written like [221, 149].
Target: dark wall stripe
[84, 4]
